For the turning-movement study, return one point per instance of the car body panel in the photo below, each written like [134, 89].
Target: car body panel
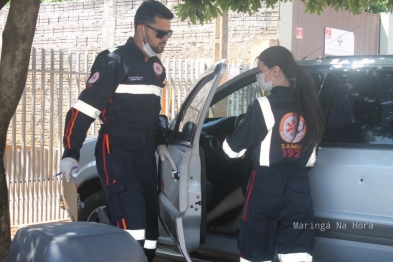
[365, 183]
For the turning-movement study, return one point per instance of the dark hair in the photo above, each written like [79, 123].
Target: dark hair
[149, 10]
[306, 92]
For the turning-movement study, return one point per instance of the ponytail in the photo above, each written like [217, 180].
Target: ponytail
[310, 107]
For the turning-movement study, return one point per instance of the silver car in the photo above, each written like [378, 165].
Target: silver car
[351, 182]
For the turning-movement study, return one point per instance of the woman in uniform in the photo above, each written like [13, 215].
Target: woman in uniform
[283, 131]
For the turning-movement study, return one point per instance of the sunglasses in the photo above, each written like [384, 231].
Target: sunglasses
[160, 34]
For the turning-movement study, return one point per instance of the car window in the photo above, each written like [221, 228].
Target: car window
[361, 109]
[194, 105]
[235, 103]
[318, 76]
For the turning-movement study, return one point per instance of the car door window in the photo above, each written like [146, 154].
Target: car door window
[361, 109]
[235, 103]
[194, 103]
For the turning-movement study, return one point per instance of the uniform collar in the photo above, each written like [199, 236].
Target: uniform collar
[280, 89]
[284, 92]
[136, 51]
[134, 48]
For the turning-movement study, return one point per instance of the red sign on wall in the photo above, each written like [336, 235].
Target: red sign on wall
[328, 33]
[299, 33]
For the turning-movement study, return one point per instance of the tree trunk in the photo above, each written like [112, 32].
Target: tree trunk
[18, 37]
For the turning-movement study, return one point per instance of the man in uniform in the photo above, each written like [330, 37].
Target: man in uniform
[124, 91]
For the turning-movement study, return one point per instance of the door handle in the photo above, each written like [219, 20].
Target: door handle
[175, 174]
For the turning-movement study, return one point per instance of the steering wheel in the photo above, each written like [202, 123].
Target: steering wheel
[238, 119]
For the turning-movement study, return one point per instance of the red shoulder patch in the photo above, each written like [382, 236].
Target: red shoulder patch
[94, 78]
[158, 69]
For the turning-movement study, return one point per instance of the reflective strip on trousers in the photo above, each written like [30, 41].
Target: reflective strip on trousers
[292, 257]
[150, 244]
[137, 234]
[245, 260]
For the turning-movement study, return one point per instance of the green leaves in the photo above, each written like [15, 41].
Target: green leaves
[206, 10]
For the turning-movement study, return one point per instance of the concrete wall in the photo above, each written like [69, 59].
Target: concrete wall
[365, 27]
[98, 24]
[386, 47]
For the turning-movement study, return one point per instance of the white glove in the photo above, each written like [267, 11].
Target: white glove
[67, 165]
[164, 154]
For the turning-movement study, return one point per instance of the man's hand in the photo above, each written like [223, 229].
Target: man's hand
[164, 154]
[67, 165]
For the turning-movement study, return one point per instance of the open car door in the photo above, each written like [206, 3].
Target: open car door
[180, 198]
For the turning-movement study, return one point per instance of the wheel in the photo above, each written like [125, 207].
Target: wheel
[94, 209]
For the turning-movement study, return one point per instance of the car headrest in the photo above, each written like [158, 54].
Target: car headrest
[367, 109]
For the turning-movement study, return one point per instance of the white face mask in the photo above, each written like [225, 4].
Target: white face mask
[265, 86]
[146, 47]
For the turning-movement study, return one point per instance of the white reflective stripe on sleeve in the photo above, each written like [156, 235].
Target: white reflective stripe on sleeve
[87, 109]
[313, 157]
[139, 89]
[231, 153]
[150, 244]
[137, 234]
[295, 257]
[264, 157]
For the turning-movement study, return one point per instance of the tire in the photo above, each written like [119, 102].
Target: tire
[94, 209]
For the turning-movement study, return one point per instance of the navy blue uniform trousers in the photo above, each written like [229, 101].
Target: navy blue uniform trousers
[277, 204]
[128, 175]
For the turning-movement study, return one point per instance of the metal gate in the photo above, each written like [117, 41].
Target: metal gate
[34, 141]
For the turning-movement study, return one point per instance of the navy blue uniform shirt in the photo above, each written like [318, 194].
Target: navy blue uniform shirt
[124, 91]
[269, 129]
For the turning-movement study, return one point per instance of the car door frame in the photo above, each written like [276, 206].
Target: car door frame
[181, 216]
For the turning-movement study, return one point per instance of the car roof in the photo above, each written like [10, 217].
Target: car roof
[351, 61]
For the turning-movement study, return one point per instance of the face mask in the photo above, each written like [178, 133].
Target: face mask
[146, 47]
[265, 86]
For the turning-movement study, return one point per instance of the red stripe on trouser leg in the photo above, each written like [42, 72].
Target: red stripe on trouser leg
[104, 159]
[124, 223]
[249, 195]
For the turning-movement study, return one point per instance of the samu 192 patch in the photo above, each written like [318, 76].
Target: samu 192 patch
[290, 131]
[94, 78]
